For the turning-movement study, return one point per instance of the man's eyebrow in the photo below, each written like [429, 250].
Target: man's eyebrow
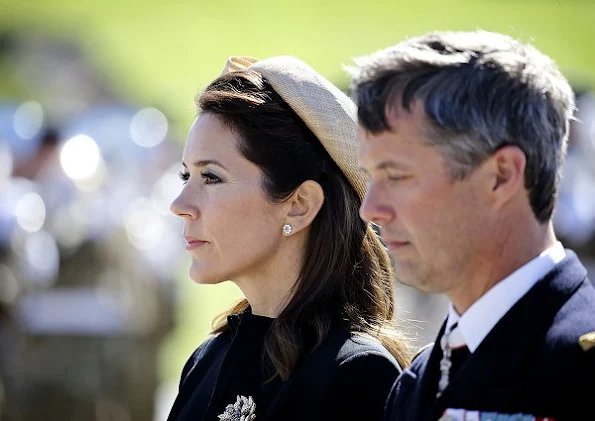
[205, 162]
[384, 165]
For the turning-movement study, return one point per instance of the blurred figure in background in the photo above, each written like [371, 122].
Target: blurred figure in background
[270, 201]
[87, 269]
[45, 155]
[10, 283]
[88, 258]
[88, 248]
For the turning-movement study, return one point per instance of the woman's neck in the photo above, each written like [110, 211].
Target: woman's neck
[268, 297]
[270, 291]
[270, 288]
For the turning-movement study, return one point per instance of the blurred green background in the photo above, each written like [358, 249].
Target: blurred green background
[161, 53]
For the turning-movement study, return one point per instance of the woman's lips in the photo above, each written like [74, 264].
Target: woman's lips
[193, 242]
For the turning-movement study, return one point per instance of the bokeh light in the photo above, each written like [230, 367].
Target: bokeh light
[95, 181]
[148, 127]
[80, 157]
[43, 259]
[70, 227]
[28, 119]
[30, 212]
[144, 227]
[6, 163]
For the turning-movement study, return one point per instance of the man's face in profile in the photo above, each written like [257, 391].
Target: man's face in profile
[430, 222]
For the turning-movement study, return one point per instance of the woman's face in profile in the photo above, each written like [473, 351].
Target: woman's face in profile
[232, 230]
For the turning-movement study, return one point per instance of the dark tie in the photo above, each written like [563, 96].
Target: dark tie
[458, 357]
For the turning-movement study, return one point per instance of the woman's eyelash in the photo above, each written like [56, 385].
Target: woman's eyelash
[184, 176]
[209, 177]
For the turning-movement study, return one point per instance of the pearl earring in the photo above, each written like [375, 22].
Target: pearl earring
[287, 229]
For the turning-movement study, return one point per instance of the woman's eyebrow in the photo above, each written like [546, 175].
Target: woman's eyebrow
[205, 162]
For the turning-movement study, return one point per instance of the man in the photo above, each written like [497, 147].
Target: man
[463, 136]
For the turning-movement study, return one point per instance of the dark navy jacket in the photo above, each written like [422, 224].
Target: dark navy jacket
[347, 377]
[531, 361]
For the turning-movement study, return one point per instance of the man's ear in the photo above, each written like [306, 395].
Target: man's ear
[303, 205]
[507, 173]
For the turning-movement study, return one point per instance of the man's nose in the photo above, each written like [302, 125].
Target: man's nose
[374, 207]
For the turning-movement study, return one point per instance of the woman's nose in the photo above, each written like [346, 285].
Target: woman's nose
[183, 208]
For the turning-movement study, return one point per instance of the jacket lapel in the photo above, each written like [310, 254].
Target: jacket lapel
[508, 349]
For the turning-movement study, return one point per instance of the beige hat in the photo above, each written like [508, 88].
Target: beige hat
[325, 109]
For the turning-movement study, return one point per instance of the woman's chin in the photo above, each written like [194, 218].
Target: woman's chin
[199, 276]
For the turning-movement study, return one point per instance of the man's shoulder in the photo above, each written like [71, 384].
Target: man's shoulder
[567, 355]
[574, 323]
[421, 356]
[423, 353]
[565, 302]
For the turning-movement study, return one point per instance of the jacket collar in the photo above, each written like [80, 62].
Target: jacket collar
[515, 337]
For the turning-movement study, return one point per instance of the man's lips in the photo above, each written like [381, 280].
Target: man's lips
[395, 245]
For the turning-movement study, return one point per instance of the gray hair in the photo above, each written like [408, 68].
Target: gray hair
[480, 91]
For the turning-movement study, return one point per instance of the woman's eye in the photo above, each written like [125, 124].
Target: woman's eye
[210, 178]
[184, 176]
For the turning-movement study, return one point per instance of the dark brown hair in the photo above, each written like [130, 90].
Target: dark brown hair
[347, 277]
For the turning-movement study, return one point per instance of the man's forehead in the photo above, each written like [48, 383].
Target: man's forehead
[374, 148]
[395, 148]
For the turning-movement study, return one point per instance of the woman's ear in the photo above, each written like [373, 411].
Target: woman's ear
[303, 205]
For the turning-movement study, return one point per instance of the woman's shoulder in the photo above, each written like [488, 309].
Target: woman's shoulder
[347, 359]
[214, 340]
[346, 352]
[206, 351]
[354, 346]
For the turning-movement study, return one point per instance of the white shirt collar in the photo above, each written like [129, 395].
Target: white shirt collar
[475, 324]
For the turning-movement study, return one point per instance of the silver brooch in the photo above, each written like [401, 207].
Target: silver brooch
[243, 410]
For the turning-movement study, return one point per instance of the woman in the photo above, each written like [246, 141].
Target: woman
[270, 201]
